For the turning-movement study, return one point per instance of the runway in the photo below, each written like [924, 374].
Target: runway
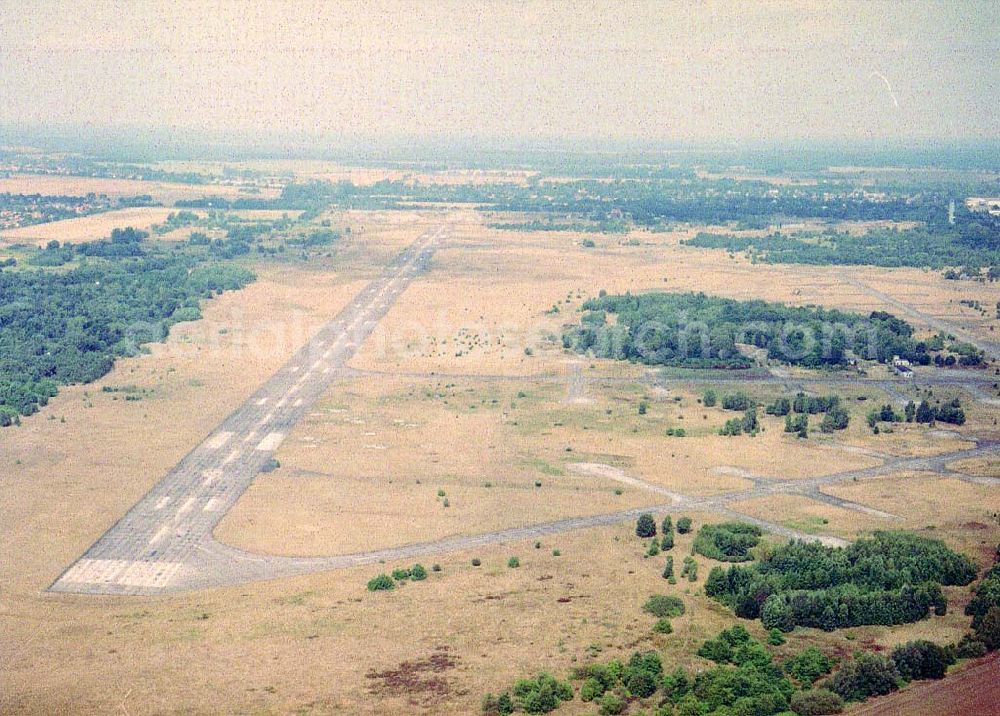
[159, 543]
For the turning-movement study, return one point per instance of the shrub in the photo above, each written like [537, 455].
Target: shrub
[501, 705]
[969, 647]
[556, 553]
[382, 582]
[775, 637]
[591, 689]
[513, 563]
[709, 399]
[668, 569]
[988, 631]
[654, 548]
[668, 541]
[436, 568]
[476, 561]
[400, 575]
[418, 573]
[684, 525]
[645, 526]
[920, 659]
[663, 626]
[611, 704]
[808, 665]
[690, 569]
[641, 684]
[816, 702]
[668, 526]
[662, 605]
[868, 675]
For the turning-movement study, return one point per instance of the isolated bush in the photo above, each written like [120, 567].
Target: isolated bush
[662, 605]
[663, 626]
[380, 583]
[513, 563]
[654, 548]
[775, 637]
[668, 569]
[645, 526]
[816, 702]
[418, 573]
[709, 399]
[684, 525]
[400, 574]
[476, 561]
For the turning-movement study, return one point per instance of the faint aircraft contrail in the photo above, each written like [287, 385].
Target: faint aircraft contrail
[888, 86]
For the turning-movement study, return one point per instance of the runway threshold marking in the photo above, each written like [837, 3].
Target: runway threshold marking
[218, 440]
[271, 441]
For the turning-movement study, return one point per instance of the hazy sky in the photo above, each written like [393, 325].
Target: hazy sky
[674, 71]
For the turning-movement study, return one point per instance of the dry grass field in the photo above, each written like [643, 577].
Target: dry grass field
[445, 398]
[164, 192]
[86, 228]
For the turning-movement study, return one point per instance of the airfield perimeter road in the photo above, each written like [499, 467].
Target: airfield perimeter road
[165, 543]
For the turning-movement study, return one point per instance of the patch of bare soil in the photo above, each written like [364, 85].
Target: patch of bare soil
[419, 681]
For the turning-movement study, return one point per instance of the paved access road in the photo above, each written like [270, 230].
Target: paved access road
[160, 544]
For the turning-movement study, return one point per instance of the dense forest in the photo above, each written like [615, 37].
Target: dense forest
[970, 244]
[699, 331]
[889, 578]
[68, 326]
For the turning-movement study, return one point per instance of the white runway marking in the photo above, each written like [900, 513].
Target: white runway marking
[163, 502]
[232, 456]
[298, 402]
[186, 507]
[295, 368]
[218, 440]
[271, 441]
[261, 401]
[212, 505]
[160, 533]
[211, 476]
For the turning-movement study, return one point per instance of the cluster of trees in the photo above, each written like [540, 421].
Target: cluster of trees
[727, 541]
[889, 578]
[984, 608]
[606, 226]
[949, 412]
[69, 326]
[745, 678]
[973, 243]
[540, 695]
[698, 331]
[872, 674]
